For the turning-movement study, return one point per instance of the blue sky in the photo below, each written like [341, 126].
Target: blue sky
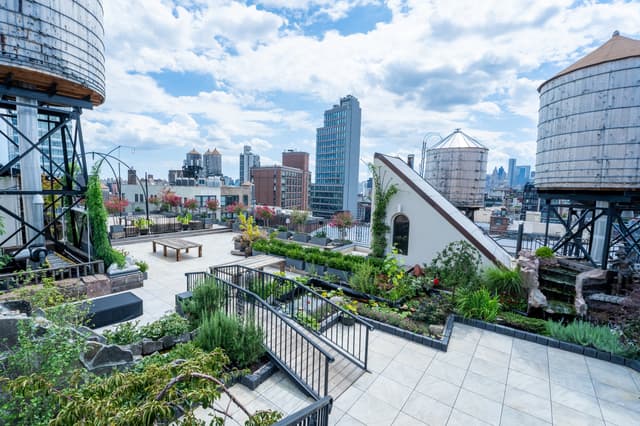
[221, 74]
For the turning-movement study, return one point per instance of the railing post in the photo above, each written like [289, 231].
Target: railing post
[326, 376]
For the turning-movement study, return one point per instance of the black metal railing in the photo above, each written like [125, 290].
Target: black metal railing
[35, 276]
[305, 361]
[315, 414]
[344, 331]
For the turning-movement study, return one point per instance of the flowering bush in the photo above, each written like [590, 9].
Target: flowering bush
[190, 204]
[213, 205]
[170, 199]
[342, 221]
[114, 205]
[236, 208]
[153, 199]
[265, 213]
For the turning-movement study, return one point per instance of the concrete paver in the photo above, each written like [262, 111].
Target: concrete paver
[484, 378]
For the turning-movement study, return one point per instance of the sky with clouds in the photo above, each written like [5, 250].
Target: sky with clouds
[221, 74]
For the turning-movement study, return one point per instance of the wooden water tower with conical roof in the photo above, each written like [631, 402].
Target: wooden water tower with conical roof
[51, 67]
[588, 151]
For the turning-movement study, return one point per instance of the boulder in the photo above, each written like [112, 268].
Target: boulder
[110, 355]
[436, 330]
[150, 346]
[136, 348]
[167, 342]
[529, 265]
[581, 279]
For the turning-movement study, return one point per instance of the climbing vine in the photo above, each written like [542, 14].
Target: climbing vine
[384, 191]
[98, 222]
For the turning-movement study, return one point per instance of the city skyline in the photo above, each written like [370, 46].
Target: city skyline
[259, 73]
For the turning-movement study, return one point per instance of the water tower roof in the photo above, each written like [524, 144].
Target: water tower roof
[458, 139]
[616, 48]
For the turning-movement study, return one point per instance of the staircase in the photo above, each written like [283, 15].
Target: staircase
[320, 345]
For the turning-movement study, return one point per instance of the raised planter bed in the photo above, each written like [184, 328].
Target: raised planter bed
[313, 268]
[342, 275]
[351, 292]
[301, 238]
[320, 241]
[438, 344]
[282, 235]
[295, 263]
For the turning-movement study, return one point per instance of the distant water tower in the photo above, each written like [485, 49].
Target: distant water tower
[457, 166]
[589, 149]
[51, 67]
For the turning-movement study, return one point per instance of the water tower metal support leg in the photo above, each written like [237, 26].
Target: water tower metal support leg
[611, 211]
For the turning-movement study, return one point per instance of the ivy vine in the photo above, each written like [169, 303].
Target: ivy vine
[384, 191]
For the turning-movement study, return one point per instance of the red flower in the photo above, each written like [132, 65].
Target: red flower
[436, 281]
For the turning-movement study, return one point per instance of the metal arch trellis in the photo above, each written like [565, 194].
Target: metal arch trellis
[106, 157]
[66, 179]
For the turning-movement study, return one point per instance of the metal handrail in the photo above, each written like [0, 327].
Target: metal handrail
[34, 276]
[316, 414]
[296, 368]
[351, 345]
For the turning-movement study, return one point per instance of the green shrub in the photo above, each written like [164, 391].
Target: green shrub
[433, 310]
[364, 279]
[123, 334]
[144, 266]
[396, 319]
[169, 325]
[207, 297]
[586, 334]
[503, 281]
[478, 304]
[544, 252]
[533, 325]
[241, 341]
[456, 265]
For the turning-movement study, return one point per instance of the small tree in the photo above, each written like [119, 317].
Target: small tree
[235, 208]
[190, 204]
[115, 205]
[342, 221]
[213, 205]
[457, 266]
[265, 213]
[299, 218]
[170, 199]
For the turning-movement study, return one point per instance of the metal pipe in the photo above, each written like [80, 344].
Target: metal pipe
[30, 177]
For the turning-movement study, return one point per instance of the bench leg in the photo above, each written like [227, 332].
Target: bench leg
[154, 246]
[165, 251]
[199, 251]
[187, 249]
[177, 255]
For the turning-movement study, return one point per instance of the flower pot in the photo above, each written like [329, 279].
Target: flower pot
[144, 231]
[283, 235]
[347, 320]
[312, 268]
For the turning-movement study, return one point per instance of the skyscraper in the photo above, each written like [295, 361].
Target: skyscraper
[300, 160]
[248, 160]
[337, 159]
[212, 163]
[511, 172]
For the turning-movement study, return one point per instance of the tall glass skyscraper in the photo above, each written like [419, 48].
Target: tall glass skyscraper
[337, 160]
[248, 160]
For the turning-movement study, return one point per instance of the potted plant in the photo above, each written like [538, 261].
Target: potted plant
[301, 237]
[144, 268]
[351, 307]
[282, 234]
[342, 221]
[184, 219]
[299, 218]
[143, 225]
[319, 238]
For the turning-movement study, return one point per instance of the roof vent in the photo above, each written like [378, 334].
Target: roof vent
[615, 33]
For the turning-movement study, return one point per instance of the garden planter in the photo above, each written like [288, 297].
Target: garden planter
[185, 226]
[295, 263]
[301, 238]
[352, 293]
[144, 231]
[342, 275]
[283, 235]
[235, 227]
[320, 241]
[312, 268]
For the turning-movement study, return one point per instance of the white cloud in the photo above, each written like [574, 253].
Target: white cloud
[435, 66]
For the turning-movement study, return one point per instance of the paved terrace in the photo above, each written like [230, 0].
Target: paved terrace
[483, 379]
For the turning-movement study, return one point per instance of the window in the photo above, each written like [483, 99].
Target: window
[401, 233]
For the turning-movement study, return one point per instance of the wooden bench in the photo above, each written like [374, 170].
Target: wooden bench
[177, 244]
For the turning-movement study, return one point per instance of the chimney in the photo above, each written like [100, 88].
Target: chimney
[410, 160]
